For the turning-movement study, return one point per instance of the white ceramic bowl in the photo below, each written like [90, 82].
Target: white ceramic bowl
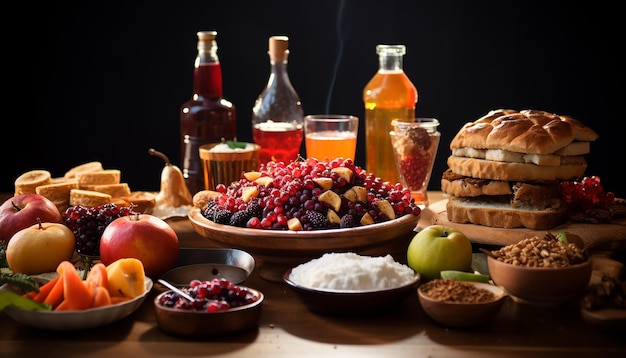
[351, 302]
[82, 319]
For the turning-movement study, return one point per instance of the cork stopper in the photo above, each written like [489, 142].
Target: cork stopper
[207, 35]
[206, 39]
[278, 48]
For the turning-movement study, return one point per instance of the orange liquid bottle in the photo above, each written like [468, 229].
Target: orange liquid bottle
[389, 95]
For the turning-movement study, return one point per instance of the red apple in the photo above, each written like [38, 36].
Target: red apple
[144, 237]
[22, 211]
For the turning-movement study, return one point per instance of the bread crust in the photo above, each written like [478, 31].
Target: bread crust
[527, 131]
[502, 215]
[526, 172]
[470, 187]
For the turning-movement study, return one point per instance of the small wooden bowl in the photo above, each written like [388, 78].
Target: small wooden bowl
[460, 314]
[542, 286]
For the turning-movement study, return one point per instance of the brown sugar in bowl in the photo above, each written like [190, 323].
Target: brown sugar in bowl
[461, 307]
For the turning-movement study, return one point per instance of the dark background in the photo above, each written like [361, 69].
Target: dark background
[105, 80]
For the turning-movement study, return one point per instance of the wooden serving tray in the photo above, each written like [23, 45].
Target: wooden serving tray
[590, 234]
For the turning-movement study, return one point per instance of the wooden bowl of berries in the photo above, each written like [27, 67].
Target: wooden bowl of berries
[289, 213]
[219, 308]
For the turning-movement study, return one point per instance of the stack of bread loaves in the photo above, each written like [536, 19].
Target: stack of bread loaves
[505, 168]
[88, 184]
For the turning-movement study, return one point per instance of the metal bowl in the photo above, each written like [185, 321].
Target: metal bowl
[206, 264]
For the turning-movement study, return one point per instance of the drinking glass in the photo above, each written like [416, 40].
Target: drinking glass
[330, 136]
[224, 165]
[415, 146]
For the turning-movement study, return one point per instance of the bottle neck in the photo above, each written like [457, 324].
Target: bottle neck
[390, 63]
[278, 74]
[207, 75]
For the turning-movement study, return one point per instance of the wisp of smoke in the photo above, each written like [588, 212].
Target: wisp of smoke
[339, 55]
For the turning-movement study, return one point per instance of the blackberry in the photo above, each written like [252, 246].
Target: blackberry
[347, 221]
[222, 216]
[317, 220]
[210, 209]
[88, 223]
[255, 209]
[240, 218]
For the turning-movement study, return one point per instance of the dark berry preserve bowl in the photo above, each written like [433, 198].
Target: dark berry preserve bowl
[207, 323]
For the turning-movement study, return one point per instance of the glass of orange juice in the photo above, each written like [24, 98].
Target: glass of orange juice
[330, 136]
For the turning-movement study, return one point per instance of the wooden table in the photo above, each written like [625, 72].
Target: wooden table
[288, 329]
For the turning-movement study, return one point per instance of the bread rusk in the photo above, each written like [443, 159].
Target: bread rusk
[83, 168]
[141, 201]
[30, 180]
[58, 193]
[115, 190]
[106, 176]
[89, 198]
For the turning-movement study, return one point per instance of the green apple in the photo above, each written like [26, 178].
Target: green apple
[437, 248]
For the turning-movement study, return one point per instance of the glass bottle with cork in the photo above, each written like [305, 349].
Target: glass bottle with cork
[207, 117]
[389, 95]
[277, 115]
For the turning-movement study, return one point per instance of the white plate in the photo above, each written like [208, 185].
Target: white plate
[82, 319]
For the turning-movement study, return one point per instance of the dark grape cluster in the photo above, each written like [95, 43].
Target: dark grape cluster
[88, 223]
[210, 296]
[294, 192]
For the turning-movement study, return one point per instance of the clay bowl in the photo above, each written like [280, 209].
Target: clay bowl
[197, 324]
[543, 286]
[463, 314]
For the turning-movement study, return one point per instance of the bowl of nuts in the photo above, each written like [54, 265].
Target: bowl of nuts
[543, 271]
[461, 304]
[218, 308]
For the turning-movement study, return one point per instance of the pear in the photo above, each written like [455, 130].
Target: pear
[174, 191]
[332, 199]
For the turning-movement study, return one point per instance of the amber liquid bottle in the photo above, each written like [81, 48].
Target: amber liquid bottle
[207, 117]
[389, 95]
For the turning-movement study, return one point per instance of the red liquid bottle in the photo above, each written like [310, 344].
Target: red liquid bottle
[277, 115]
[207, 117]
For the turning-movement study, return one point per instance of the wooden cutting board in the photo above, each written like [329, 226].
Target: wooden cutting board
[591, 234]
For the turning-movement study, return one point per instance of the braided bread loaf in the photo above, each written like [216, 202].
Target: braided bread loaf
[527, 131]
[505, 167]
